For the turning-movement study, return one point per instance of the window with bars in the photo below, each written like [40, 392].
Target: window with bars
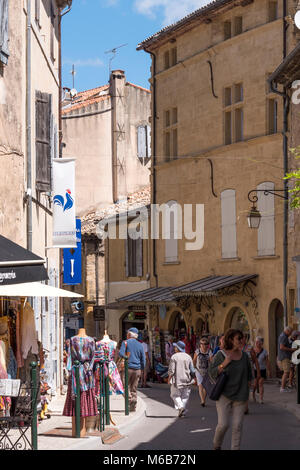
[170, 134]
[233, 114]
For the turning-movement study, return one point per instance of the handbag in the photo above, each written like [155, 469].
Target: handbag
[214, 388]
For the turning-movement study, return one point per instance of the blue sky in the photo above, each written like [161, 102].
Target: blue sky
[96, 26]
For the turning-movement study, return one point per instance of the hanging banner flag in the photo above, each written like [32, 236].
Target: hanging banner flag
[72, 260]
[64, 218]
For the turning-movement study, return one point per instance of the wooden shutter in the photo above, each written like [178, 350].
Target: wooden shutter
[266, 230]
[4, 35]
[228, 210]
[148, 142]
[142, 143]
[43, 141]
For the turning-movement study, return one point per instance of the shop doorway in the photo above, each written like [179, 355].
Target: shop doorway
[133, 320]
[238, 320]
[177, 324]
[276, 325]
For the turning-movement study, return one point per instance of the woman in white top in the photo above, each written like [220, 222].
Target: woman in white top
[264, 366]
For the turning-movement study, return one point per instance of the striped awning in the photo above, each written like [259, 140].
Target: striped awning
[208, 286]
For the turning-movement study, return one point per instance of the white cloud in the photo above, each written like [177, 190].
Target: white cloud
[173, 10]
[84, 62]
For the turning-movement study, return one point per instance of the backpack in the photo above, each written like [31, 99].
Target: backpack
[202, 362]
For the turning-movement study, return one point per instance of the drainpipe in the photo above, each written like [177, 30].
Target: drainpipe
[286, 104]
[60, 15]
[28, 130]
[153, 136]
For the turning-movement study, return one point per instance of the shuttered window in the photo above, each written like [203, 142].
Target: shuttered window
[134, 257]
[43, 141]
[4, 36]
[171, 244]
[266, 230]
[144, 144]
[228, 220]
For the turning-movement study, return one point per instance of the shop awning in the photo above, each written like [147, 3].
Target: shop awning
[207, 286]
[18, 265]
[35, 289]
[152, 296]
[211, 285]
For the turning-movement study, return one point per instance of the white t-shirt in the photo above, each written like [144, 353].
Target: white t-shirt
[145, 346]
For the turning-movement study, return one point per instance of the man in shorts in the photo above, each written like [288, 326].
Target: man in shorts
[284, 356]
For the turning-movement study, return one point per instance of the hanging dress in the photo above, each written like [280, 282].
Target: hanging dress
[106, 351]
[81, 349]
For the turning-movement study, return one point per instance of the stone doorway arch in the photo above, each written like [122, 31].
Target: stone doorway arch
[276, 325]
[237, 318]
[176, 323]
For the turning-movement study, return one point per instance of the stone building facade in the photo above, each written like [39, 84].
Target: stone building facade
[29, 96]
[217, 135]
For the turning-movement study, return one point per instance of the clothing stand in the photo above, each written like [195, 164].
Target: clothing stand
[82, 333]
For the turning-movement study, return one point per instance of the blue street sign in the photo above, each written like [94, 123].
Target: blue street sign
[72, 260]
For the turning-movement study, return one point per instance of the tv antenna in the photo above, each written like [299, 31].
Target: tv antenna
[73, 73]
[114, 52]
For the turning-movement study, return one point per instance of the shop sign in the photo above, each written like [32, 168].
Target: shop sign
[140, 315]
[99, 313]
[64, 218]
[72, 260]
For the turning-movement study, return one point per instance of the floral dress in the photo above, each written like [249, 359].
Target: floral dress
[106, 351]
[81, 349]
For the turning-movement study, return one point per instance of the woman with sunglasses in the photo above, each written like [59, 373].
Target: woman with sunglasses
[201, 361]
[235, 394]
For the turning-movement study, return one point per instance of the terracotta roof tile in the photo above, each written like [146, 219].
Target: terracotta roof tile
[86, 98]
[135, 200]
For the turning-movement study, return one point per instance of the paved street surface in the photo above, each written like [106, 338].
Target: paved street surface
[267, 427]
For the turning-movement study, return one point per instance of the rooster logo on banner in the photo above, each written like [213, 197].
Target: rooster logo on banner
[65, 204]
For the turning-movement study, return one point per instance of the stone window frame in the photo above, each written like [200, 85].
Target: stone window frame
[170, 133]
[233, 105]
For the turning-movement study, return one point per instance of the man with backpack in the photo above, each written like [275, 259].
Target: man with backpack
[201, 360]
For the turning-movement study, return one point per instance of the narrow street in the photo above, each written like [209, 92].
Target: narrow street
[265, 428]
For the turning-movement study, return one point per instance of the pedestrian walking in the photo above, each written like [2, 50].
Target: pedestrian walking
[220, 344]
[181, 372]
[201, 361]
[136, 364]
[285, 352]
[169, 349]
[236, 364]
[147, 365]
[248, 349]
[264, 367]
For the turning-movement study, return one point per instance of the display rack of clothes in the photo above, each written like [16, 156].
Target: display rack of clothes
[82, 349]
[106, 349]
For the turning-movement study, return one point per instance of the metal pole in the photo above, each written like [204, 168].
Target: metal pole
[77, 402]
[298, 384]
[126, 387]
[34, 392]
[101, 396]
[107, 410]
